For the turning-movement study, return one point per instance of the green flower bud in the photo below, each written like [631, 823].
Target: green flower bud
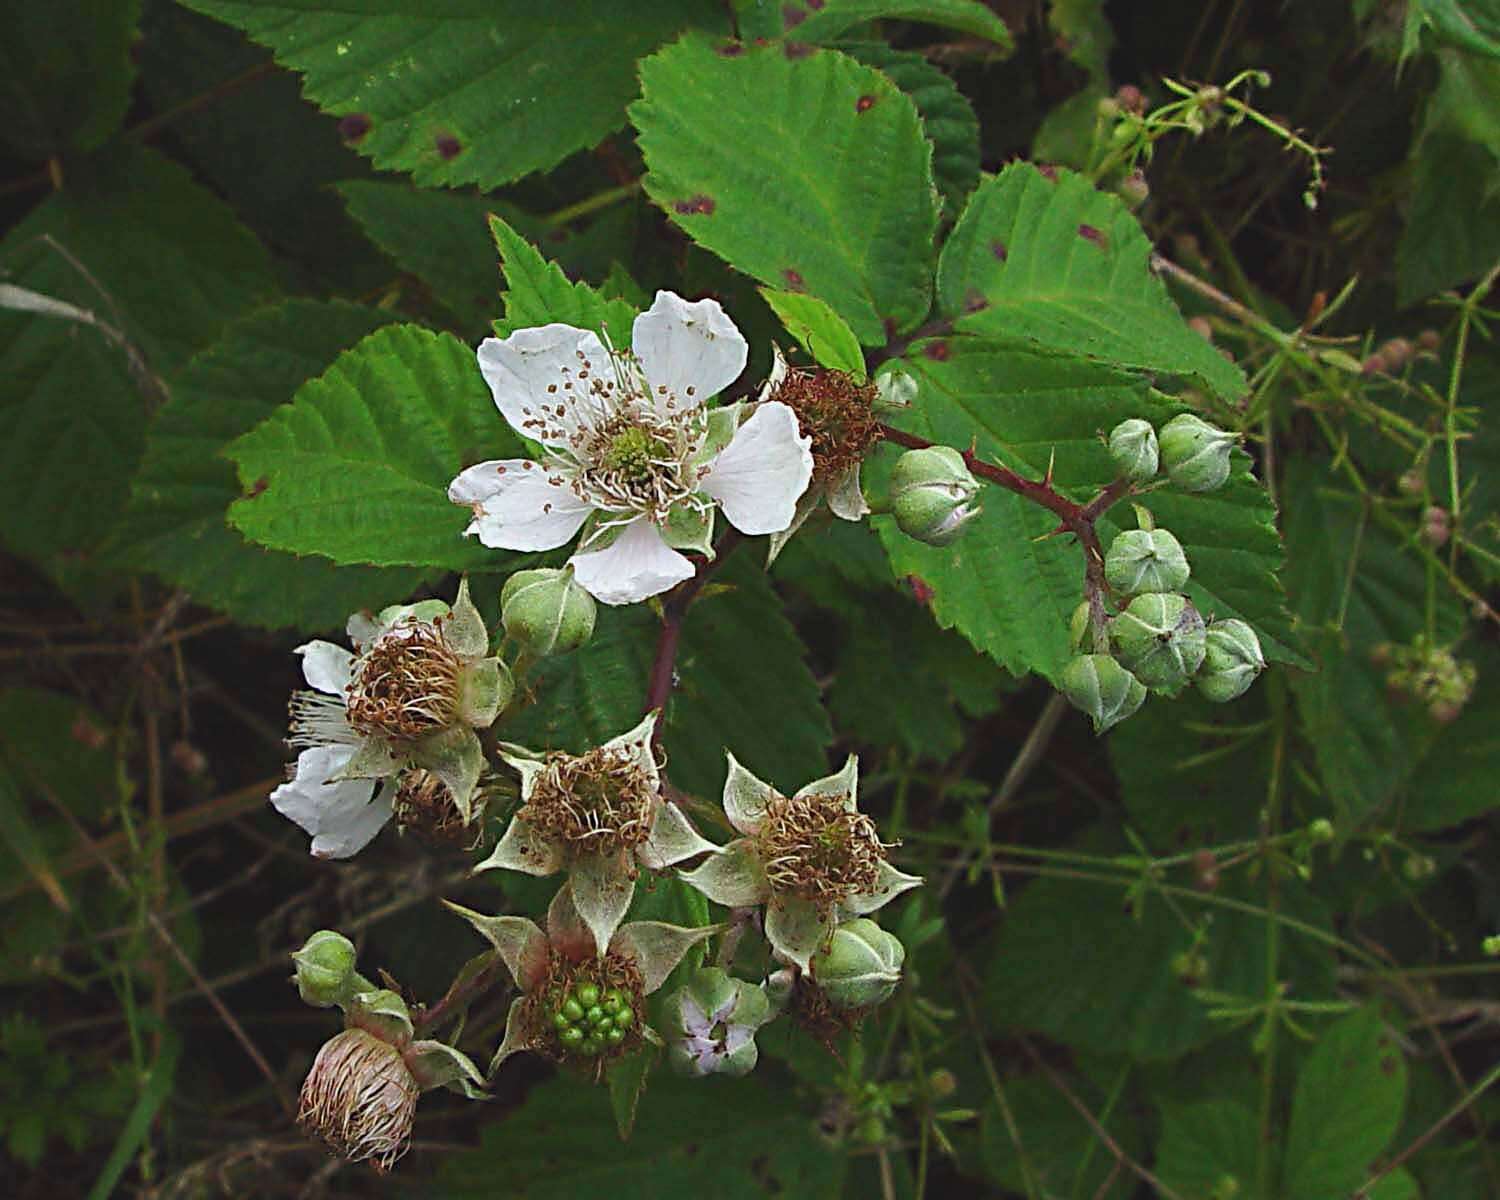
[1132, 444]
[325, 970]
[1195, 454]
[711, 1024]
[1231, 660]
[1102, 688]
[861, 965]
[1491, 946]
[930, 494]
[1321, 830]
[1145, 560]
[1160, 638]
[546, 611]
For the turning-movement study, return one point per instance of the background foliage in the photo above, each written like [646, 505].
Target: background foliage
[1223, 952]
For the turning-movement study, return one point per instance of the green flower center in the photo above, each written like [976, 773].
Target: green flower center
[630, 453]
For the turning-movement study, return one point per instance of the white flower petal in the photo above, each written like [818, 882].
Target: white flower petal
[890, 884]
[672, 840]
[762, 472]
[519, 504]
[343, 817]
[541, 379]
[733, 878]
[688, 350]
[797, 929]
[603, 886]
[637, 564]
[326, 666]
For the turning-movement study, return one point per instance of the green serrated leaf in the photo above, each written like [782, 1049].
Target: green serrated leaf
[538, 293]
[836, 143]
[357, 467]
[815, 21]
[744, 1142]
[135, 241]
[467, 91]
[1348, 1103]
[948, 119]
[1471, 24]
[182, 493]
[1045, 259]
[1209, 1149]
[818, 330]
[1009, 587]
[65, 74]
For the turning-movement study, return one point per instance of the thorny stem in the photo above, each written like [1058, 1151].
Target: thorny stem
[679, 600]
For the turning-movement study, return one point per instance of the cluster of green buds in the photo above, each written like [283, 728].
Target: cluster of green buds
[1194, 455]
[1429, 674]
[590, 1020]
[1157, 641]
[932, 491]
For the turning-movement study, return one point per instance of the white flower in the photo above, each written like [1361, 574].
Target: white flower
[632, 456]
[411, 697]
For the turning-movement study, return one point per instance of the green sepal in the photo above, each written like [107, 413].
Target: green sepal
[689, 529]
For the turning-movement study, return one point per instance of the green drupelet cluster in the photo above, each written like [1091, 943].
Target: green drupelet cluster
[591, 1020]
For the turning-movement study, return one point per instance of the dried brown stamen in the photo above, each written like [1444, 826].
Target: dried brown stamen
[424, 807]
[359, 1098]
[599, 802]
[835, 410]
[406, 685]
[825, 1023]
[815, 848]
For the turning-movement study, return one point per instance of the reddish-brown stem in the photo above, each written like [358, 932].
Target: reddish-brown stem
[1078, 519]
[427, 1019]
[674, 609]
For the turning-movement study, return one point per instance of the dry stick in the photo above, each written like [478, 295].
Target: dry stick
[187, 964]
[1099, 1131]
[1026, 759]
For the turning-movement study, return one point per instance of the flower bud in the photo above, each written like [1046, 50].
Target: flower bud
[930, 494]
[1436, 526]
[1132, 444]
[1102, 688]
[1145, 560]
[712, 1021]
[861, 965]
[1195, 454]
[1160, 638]
[1321, 830]
[546, 611]
[325, 969]
[1232, 659]
[1491, 946]
[1134, 189]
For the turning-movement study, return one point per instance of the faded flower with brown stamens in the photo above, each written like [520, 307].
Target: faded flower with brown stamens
[361, 1094]
[811, 858]
[399, 709]
[579, 1004]
[600, 816]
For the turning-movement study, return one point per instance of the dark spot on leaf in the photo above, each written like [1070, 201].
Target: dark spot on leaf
[793, 279]
[796, 50]
[258, 487]
[864, 103]
[700, 204]
[1048, 172]
[731, 49]
[921, 590]
[1090, 234]
[791, 16]
[448, 146]
[936, 350]
[760, 1168]
[815, 4]
[690, 1149]
[1387, 1065]
[997, 248]
[354, 126]
[974, 301]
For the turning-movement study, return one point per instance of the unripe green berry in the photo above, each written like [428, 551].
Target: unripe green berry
[1491, 946]
[560, 1020]
[590, 1046]
[1102, 688]
[624, 1019]
[861, 965]
[546, 611]
[930, 494]
[1232, 659]
[1132, 444]
[612, 1001]
[572, 1010]
[587, 994]
[614, 1035]
[595, 1015]
[571, 1036]
[1146, 560]
[1321, 830]
[1160, 638]
[1195, 454]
